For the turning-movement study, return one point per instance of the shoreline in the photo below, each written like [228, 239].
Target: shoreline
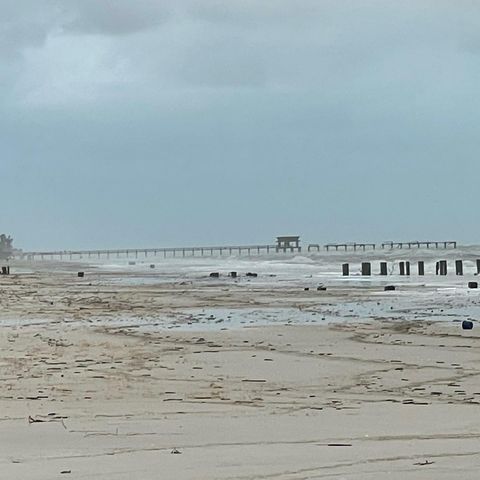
[389, 388]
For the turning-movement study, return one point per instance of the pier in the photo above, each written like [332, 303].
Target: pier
[354, 246]
[153, 252]
[350, 246]
[284, 244]
[429, 244]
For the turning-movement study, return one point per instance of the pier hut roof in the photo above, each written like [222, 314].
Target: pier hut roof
[288, 238]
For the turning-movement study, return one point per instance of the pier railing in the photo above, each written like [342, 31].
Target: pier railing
[372, 246]
[154, 252]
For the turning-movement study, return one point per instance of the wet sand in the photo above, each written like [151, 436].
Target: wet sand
[94, 385]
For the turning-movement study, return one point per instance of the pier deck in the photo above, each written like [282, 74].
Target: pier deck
[372, 246]
[352, 246]
[154, 252]
[427, 244]
[219, 250]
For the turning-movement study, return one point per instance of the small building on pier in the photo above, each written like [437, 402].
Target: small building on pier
[288, 243]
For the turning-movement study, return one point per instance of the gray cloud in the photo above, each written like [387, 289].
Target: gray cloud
[28, 23]
[194, 113]
[254, 13]
[113, 17]
[25, 24]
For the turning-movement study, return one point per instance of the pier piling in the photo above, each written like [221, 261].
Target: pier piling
[383, 268]
[443, 267]
[366, 269]
[459, 267]
[421, 268]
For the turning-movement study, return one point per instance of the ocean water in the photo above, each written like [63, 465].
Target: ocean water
[352, 298]
[281, 269]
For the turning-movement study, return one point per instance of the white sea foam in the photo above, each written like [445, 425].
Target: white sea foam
[428, 297]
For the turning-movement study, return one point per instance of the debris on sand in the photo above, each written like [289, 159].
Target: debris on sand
[35, 420]
[467, 325]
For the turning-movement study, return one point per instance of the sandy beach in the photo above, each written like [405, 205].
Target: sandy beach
[238, 240]
[133, 374]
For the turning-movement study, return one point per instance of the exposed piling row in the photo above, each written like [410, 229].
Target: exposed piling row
[404, 268]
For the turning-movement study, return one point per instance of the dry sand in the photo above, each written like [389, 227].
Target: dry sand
[87, 397]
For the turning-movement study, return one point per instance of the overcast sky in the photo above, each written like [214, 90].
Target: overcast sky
[157, 122]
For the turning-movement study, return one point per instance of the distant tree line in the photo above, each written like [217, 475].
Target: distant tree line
[6, 246]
